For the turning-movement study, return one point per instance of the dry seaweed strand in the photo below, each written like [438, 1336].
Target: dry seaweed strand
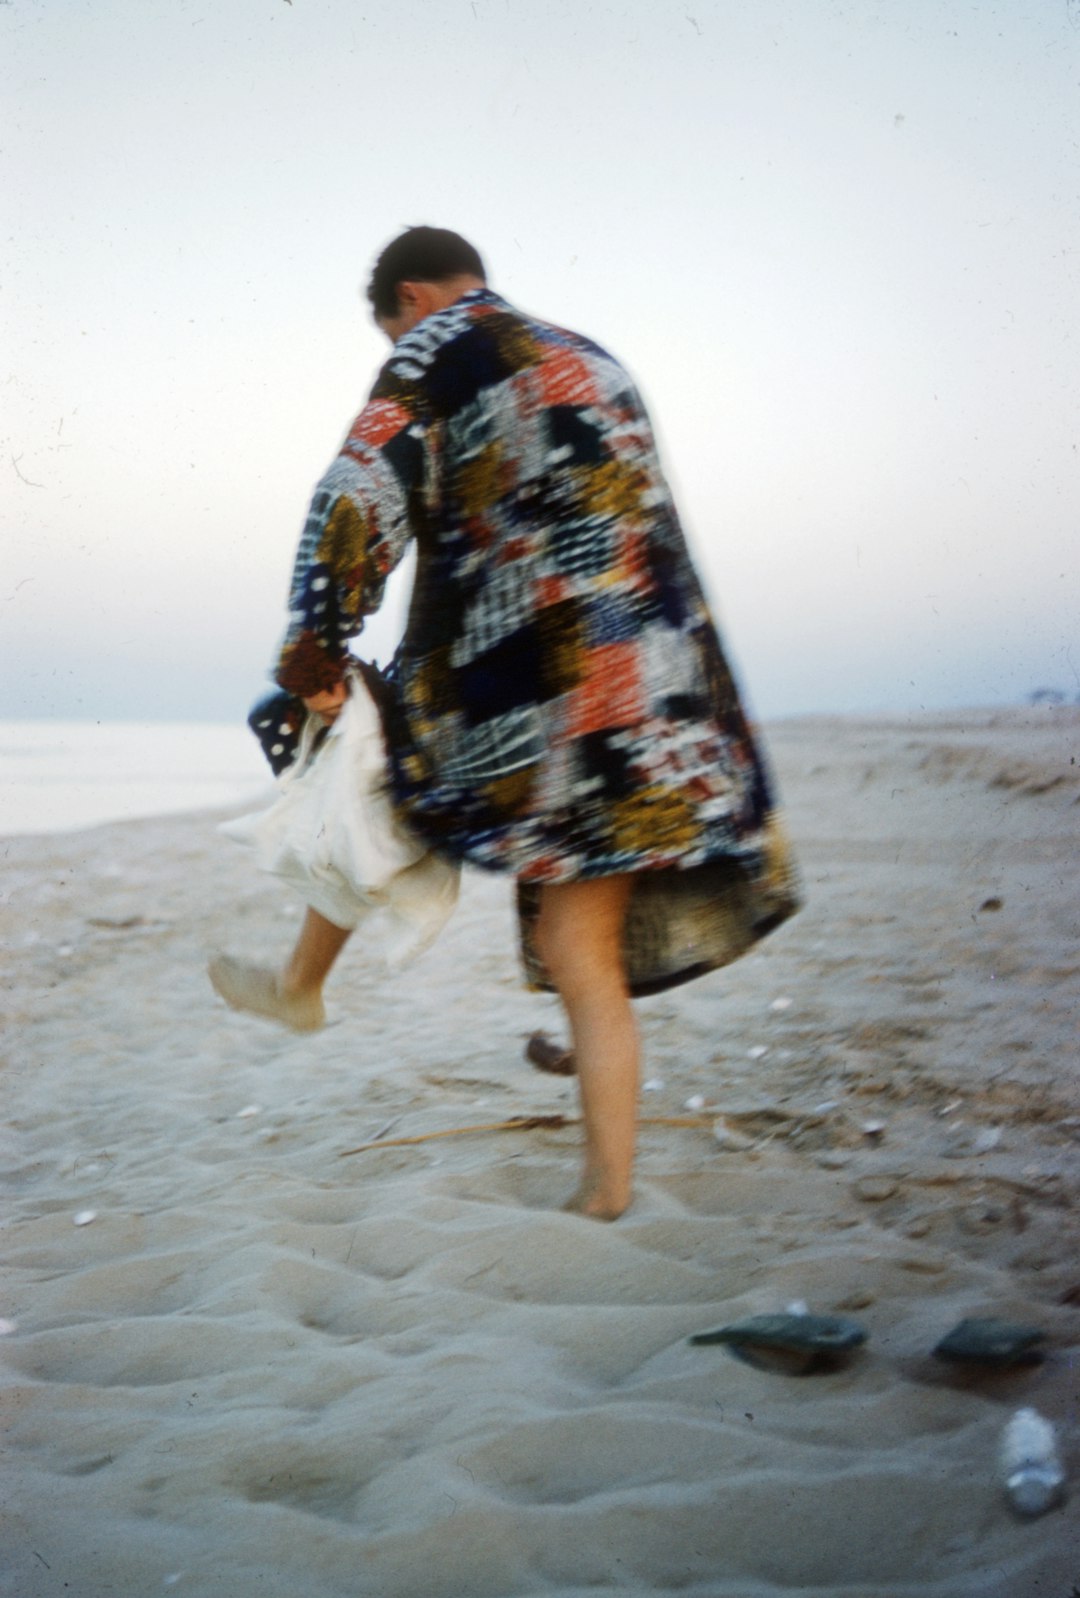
[521, 1123]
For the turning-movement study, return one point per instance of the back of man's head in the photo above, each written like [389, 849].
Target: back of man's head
[420, 255]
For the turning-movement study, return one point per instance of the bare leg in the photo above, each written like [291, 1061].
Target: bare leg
[579, 938]
[318, 946]
[292, 996]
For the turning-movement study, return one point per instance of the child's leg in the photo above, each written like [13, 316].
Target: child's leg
[579, 939]
[318, 946]
[292, 996]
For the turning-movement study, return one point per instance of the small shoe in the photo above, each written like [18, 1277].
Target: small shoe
[254, 989]
[1000, 1345]
[793, 1344]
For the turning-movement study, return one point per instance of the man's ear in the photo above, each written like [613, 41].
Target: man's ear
[411, 296]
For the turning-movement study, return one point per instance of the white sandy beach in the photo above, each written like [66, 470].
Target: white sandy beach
[269, 1368]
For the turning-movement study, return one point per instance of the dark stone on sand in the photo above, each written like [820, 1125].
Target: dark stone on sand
[547, 1055]
[992, 1342]
[796, 1344]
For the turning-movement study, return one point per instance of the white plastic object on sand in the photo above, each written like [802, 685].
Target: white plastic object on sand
[1030, 1465]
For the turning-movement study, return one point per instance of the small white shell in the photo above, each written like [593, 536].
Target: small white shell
[696, 1101]
[248, 1111]
[84, 1217]
[781, 1004]
[7, 1327]
[728, 1138]
[758, 1052]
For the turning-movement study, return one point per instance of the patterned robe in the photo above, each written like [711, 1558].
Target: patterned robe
[560, 706]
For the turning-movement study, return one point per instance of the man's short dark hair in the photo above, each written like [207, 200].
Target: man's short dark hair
[420, 255]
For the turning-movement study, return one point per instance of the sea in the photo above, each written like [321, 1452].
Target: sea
[61, 776]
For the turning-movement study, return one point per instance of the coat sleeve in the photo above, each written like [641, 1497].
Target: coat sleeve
[362, 516]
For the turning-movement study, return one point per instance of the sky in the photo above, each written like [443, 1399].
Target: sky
[836, 243]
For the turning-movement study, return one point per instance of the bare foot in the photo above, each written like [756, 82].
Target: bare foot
[597, 1202]
[255, 990]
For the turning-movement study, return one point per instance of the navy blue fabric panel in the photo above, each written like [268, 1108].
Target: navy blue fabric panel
[464, 368]
[503, 678]
[571, 429]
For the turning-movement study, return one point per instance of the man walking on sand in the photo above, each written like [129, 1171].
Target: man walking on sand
[560, 706]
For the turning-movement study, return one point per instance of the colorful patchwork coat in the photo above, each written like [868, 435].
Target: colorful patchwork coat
[560, 706]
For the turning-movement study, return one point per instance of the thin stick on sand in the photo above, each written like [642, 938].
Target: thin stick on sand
[521, 1123]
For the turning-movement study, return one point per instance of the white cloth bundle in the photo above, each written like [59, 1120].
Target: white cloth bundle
[331, 832]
